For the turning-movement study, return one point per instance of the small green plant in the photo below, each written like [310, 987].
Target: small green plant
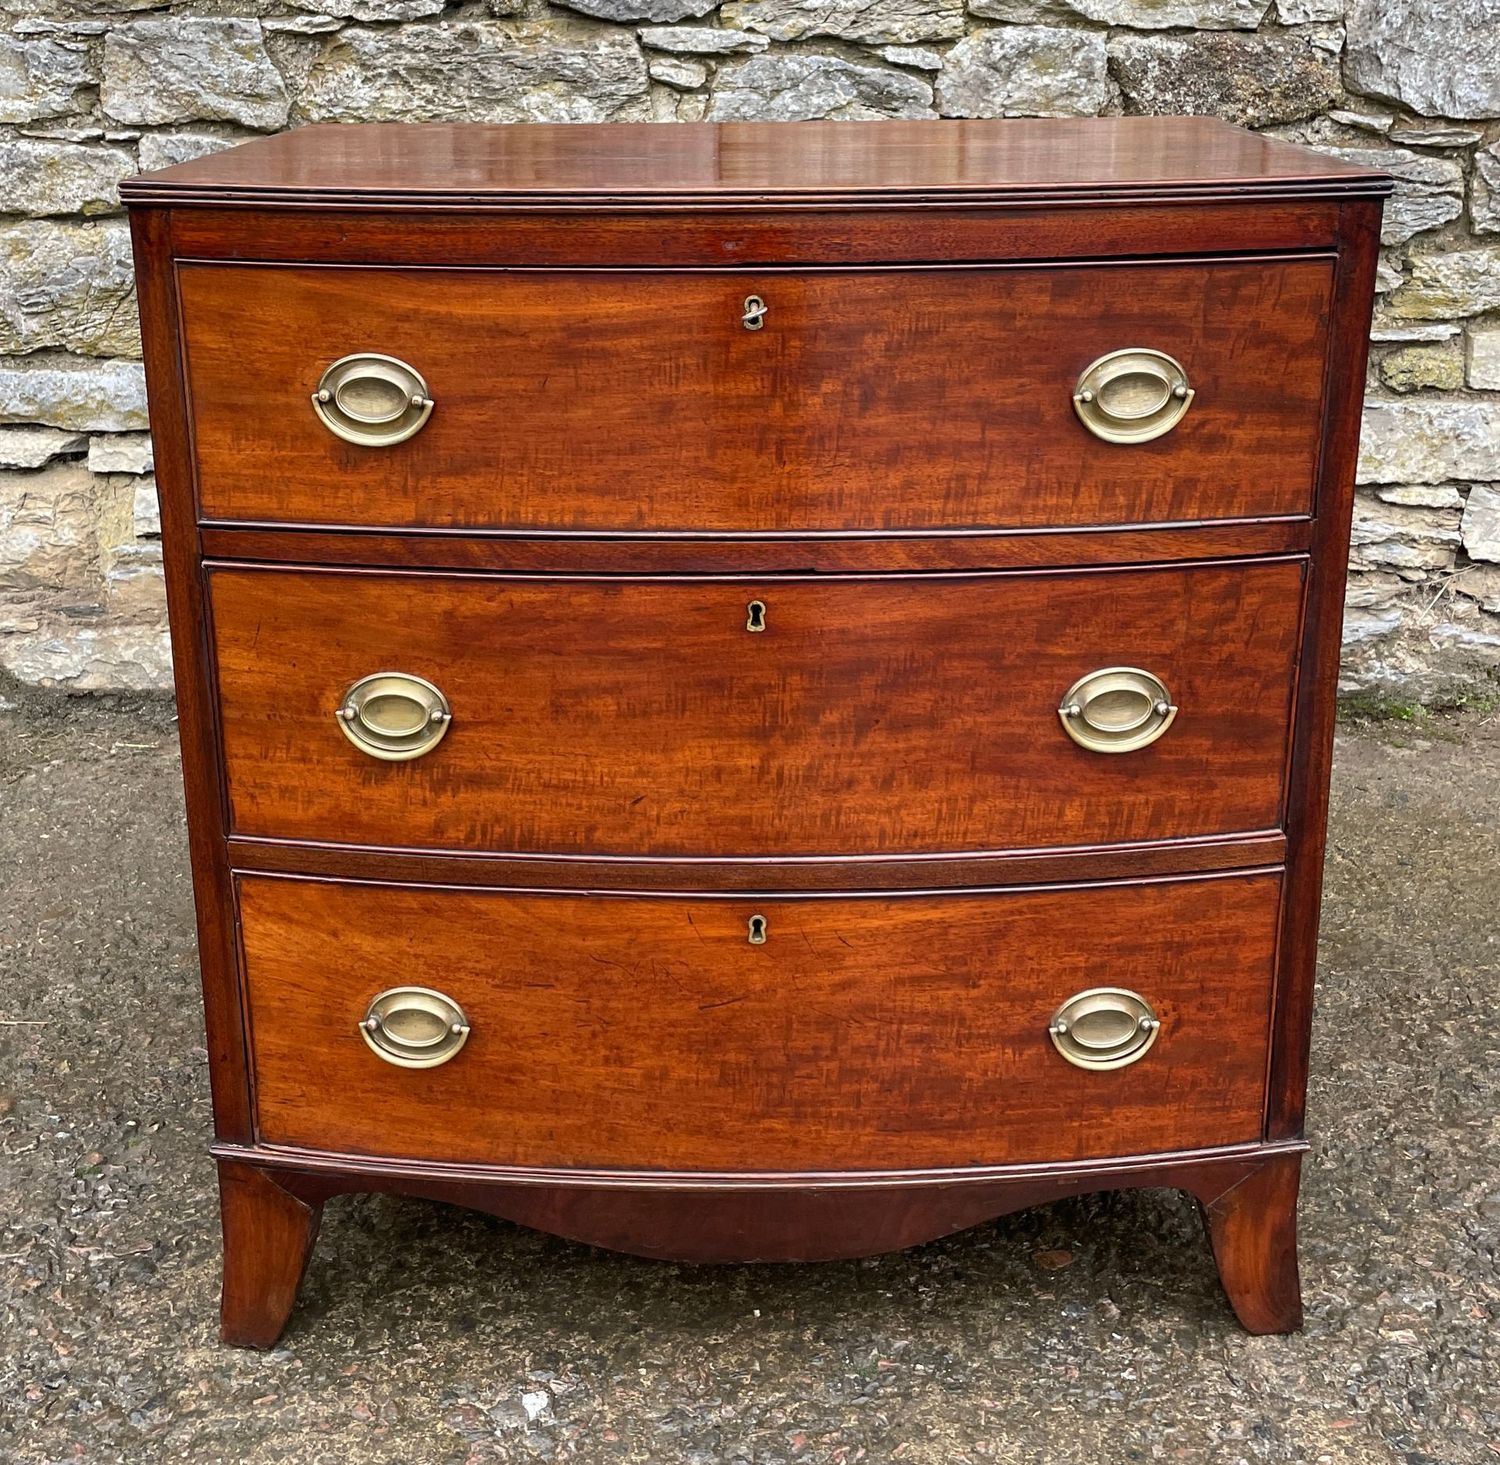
[1444, 719]
[1359, 707]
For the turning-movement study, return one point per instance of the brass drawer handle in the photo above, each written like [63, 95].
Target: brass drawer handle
[394, 716]
[372, 400]
[1117, 709]
[414, 1027]
[755, 314]
[1132, 396]
[1105, 1027]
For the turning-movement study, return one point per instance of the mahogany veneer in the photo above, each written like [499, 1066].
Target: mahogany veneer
[743, 519]
[874, 715]
[648, 406]
[865, 1033]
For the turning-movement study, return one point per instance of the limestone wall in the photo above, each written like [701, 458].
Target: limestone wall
[90, 91]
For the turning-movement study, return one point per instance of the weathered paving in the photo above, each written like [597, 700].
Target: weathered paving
[1089, 1332]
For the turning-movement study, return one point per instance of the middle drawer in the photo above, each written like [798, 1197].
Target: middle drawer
[728, 717]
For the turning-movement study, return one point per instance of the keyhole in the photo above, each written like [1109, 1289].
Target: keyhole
[756, 620]
[757, 930]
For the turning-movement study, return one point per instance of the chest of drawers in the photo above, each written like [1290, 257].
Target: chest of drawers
[756, 691]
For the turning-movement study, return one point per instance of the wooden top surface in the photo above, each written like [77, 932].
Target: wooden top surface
[1010, 161]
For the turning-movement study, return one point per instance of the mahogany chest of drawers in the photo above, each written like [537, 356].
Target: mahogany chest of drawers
[757, 691]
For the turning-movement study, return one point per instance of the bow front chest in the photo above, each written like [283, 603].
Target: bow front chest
[756, 691]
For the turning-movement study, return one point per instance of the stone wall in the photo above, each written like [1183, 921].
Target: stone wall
[90, 90]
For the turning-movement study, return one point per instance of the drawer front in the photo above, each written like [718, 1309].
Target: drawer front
[902, 399]
[870, 715]
[862, 1033]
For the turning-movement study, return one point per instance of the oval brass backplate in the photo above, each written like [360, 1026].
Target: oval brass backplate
[394, 716]
[1104, 1027]
[373, 400]
[414, 1027]
[1117, 709]
[1132, 396]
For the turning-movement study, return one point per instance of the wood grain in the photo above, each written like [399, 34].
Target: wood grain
[1252, 1225]
[639, 717]
[1317, 687]
[772, 1217]
[787, 1218]
[623, 400]
[713, 235]
[789, 874]
[268, 1238]
[870, 1033]
[474, 166]
[661, 554]
[192, 667]
[609, 257]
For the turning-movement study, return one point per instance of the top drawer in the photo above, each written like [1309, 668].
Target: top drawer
[910, 399]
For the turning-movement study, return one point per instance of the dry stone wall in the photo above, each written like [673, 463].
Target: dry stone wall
[91, 90]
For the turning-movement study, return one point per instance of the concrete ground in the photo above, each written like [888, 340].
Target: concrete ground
[1091, 1331]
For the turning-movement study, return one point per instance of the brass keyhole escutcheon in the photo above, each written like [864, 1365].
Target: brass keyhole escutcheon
[757, 935]
[755, 619]
[755, 313]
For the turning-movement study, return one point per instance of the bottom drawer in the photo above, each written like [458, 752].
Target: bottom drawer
[861, 1033]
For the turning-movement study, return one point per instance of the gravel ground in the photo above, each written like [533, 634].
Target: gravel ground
[1090, 1331]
